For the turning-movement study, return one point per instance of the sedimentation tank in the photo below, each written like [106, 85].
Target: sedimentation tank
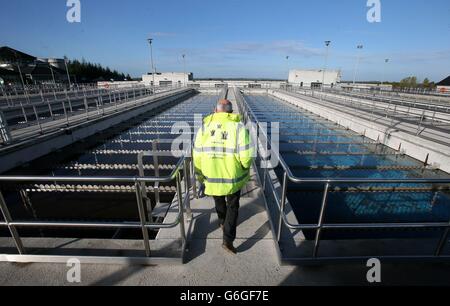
[317, 148]
[109, 154]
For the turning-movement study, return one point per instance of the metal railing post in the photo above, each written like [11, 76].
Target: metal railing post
[180, 208]
[12, 229]
[143, 219]
[156, 166]
[23, 112]
[5, 133]
[321, 218]
[102, 105]
[264, 177]
[193, 175]
[148, 203]
[68, 100]
[50, 109]
[97, 104]
[65, 112]
[86, 105]
[187, 188]
[37, 119]
[442, 241]
[420, 123]
[282, 206]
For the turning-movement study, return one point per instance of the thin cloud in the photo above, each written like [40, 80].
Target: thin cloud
[242, 50]
[409, 57]
[162, 34]
[288, 47]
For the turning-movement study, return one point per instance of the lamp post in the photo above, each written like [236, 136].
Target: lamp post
[327, 45]
[150, 41]
[358, 59]
[184, 67]
[386, 61]
[287, 66]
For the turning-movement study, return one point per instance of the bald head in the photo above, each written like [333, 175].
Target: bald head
[224, 106]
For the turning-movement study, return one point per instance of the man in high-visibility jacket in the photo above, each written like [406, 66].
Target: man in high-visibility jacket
[222, 158]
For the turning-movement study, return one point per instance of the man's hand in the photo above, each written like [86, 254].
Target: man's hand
[201, 191]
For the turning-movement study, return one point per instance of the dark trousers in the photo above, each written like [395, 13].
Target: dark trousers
[227, 208]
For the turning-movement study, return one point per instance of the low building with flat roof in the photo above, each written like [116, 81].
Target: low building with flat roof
[167, 79]
[313, 78]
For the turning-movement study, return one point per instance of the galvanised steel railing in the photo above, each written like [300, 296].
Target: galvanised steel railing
[183, 200]
[12, 91]
[288, 176]
[70, 111]
[424, 103]
[422, 118]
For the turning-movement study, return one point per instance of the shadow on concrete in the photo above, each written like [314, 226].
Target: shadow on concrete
[205, 223]
[197, 246]
[250, 242]
[119, 276]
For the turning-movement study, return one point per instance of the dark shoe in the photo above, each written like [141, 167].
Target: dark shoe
[229, 248]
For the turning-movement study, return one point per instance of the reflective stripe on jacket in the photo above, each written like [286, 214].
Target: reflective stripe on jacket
[223, 154]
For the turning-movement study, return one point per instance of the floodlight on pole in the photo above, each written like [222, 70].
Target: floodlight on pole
[150, 41]
[184, 67]
[358, 59]
[386, 61]
[327, 45]
[287, 66]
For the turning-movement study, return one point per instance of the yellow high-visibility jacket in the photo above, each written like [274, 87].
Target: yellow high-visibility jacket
[223, 154]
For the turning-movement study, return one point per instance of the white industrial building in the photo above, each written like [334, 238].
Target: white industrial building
[313, 78]
[167, 79]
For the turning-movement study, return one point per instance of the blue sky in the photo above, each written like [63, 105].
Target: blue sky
[238, 38]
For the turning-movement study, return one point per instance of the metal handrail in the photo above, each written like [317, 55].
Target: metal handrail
[420, 108]
[431, 121]
[288, 176]
[70, 118]
[77, 92]
[431, 105]
[183, 205]
[413, 112]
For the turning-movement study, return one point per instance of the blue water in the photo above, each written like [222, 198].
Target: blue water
[317, 148]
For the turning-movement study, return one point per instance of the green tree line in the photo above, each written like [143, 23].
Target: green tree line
[412, 82]
[86, 72]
